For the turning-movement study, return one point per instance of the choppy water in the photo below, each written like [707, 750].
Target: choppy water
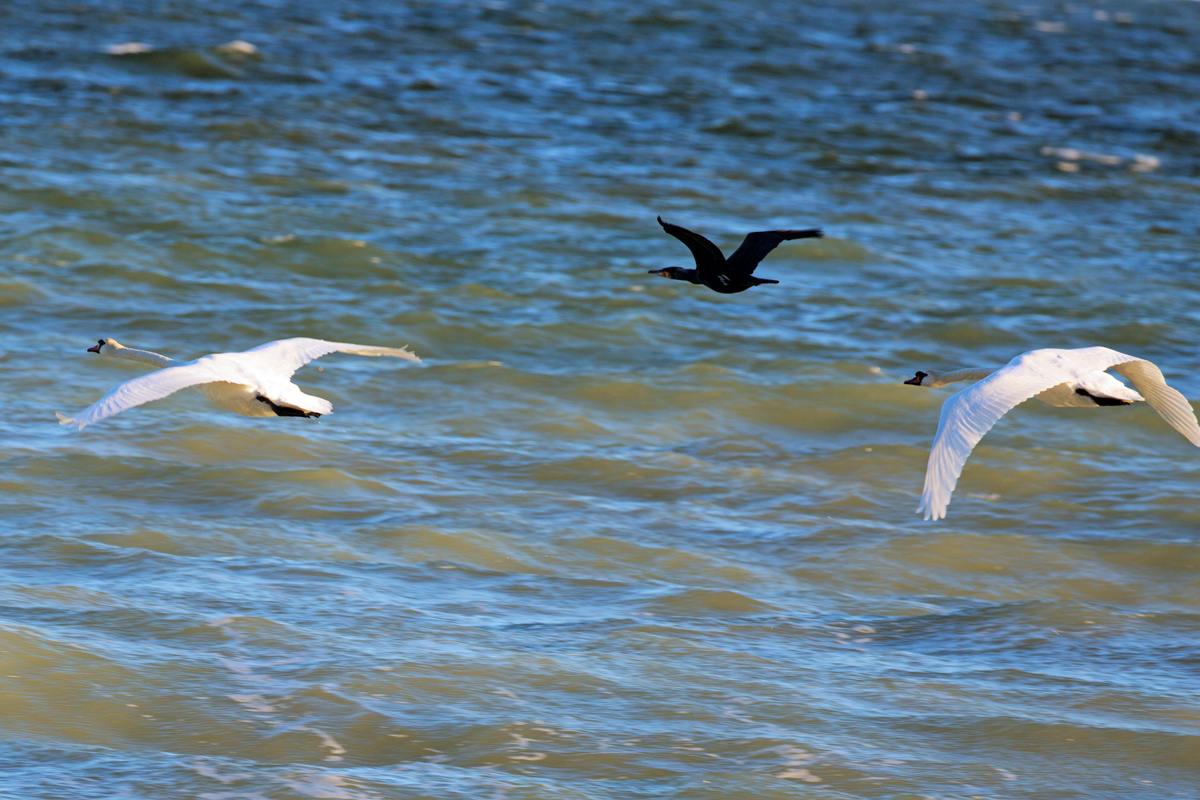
[617, 536]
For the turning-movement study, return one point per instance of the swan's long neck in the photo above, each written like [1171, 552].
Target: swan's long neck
[942, 378]
[144, 356]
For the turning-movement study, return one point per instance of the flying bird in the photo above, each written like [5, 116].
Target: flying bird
[735, 274]
[1063, 378]
[256, 383]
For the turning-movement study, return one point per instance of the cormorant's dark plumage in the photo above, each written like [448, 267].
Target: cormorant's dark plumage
[732, 275]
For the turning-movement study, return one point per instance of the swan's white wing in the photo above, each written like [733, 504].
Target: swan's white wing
[1150, 383]
[144, 389]
[288, 355]
[1170, 404]
[971, 413]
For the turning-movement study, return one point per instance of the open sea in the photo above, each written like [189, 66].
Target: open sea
[616, 537]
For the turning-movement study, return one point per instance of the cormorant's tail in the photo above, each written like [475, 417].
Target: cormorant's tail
[758, 281]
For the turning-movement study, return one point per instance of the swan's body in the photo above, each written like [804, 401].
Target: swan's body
[256, 383]
[1064, 378]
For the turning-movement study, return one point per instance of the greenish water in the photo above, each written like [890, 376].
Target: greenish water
[615, 537]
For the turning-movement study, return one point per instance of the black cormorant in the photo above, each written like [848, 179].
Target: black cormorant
[735, 274]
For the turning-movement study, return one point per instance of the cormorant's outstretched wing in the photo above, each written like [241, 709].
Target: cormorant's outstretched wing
[755, 246]
[709, 257]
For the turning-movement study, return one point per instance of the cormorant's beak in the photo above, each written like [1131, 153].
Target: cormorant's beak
[914, 381]
[659, 272]
[94, 348]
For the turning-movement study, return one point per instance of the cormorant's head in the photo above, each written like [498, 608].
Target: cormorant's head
[916, 379]
[675, 273]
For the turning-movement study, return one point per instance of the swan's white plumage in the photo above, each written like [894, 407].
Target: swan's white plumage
[1170, 404]
[1052, 376]
[141, 390]
[292, 354]
[231, 380]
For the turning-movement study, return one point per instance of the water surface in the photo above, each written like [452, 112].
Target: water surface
[615, 537]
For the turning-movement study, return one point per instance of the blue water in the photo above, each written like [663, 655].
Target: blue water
[615, 536]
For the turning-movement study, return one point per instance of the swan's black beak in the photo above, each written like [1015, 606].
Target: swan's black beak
[916, 379]
[95, 348]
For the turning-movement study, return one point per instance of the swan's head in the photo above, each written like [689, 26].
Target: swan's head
[674, 273]
[932, 379]
[106, 347]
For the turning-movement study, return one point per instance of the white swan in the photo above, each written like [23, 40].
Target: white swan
[256, 383]
[1065, 378]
